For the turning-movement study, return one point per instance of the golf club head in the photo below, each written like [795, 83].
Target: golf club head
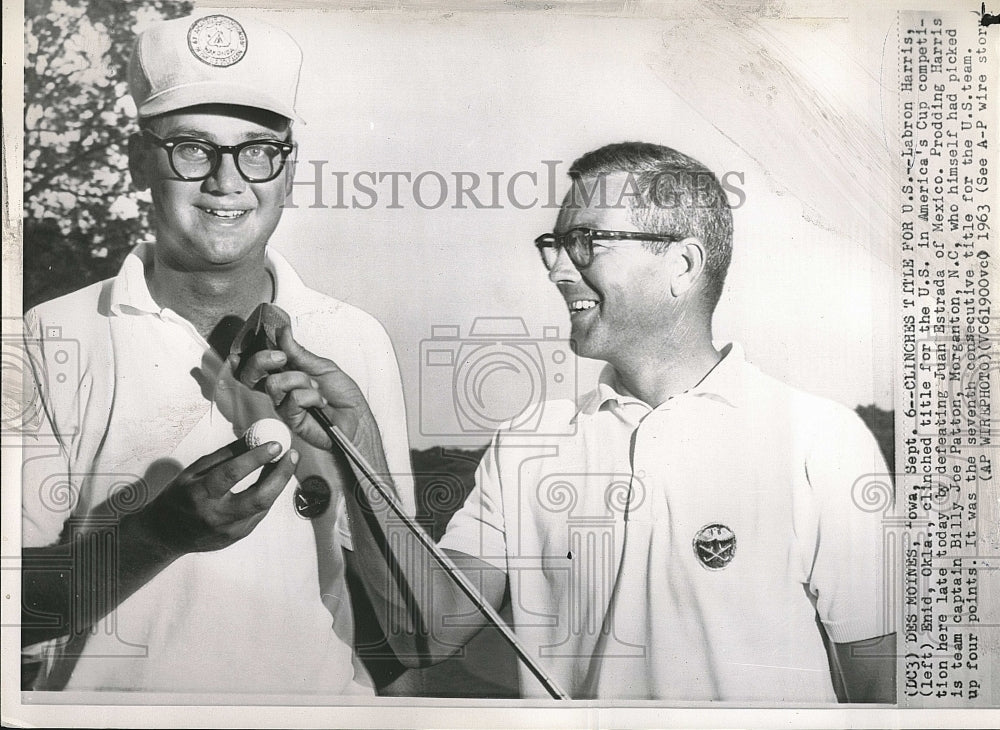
[259, 332]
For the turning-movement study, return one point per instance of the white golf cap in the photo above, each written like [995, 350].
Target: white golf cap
[214, 59]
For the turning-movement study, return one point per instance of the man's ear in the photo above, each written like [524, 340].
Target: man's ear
[688, 265]
[138, 161]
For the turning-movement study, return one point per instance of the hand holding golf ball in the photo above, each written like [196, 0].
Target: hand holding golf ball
[268, 429]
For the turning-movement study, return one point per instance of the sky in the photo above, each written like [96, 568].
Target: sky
[788, 110]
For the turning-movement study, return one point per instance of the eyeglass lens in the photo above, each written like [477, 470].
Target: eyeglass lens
[256, 162]
[578, 247]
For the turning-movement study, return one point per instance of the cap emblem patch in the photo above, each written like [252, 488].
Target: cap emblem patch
[715, 546]
[217, 40]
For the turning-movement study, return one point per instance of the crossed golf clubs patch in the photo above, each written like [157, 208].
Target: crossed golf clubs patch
[714, 546]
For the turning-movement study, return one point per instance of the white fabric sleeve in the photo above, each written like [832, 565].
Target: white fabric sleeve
[477, 529]
[342, 525]
[385, 398]
[853, 490]
[48, 494]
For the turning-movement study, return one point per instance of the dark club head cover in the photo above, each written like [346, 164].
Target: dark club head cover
[259, 332]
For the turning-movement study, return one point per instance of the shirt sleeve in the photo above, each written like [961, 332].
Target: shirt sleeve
[385, 398]
[48, 492]
[384, 393]
[851, 569]
[342, 525]
[477, 529]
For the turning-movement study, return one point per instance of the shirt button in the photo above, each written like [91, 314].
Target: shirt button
[641, 473]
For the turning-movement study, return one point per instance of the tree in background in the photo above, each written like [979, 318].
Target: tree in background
[81, 215]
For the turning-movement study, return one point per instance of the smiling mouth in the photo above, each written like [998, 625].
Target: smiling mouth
[581, 305]
[228, 215]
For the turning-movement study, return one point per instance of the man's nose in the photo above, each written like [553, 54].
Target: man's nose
[563, 269]
[226, 179]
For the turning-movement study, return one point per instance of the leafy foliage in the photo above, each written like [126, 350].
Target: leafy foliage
[81, 216]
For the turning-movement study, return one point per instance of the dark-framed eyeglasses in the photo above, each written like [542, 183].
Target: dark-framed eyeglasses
[191, 159]
[579, 243]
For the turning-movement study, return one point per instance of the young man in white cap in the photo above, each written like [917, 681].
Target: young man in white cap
[165, 555]
[699, 532]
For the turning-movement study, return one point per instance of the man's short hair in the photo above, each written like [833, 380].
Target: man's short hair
[151, 123]
[669, 193]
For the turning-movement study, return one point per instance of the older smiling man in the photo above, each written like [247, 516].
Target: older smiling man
[695, 537]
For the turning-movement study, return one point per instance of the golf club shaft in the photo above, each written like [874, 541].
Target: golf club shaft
[337, 436]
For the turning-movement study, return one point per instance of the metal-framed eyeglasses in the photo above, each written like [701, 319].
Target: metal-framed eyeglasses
[579, 244]
[192, 159]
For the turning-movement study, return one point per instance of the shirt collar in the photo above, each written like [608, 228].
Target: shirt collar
[130, 293]
[723, 383]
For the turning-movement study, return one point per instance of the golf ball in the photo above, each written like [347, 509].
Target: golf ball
[268, 429]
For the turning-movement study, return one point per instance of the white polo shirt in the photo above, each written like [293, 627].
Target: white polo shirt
[130, 398]
[685, 552]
